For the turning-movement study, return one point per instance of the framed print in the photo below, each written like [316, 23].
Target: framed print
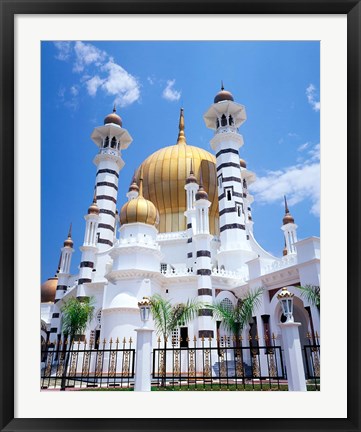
[174, 280]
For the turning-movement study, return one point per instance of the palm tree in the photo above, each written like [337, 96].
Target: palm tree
[312, 294]
[75, 314]
[236, 318]
[168, 317]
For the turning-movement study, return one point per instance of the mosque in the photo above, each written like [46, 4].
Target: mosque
[184, 232]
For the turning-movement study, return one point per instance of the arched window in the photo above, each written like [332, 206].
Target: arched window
[244, 183]
[106, 142]
[227, 304]
[217, 123]
[230, 119]
[223, 120]
[113, 143]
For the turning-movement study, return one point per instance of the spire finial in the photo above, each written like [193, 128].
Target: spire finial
[222, 86]
[181, 136]
[59, 264]
[70, 228]
[141, 181]
[114, 108]
[286, 206]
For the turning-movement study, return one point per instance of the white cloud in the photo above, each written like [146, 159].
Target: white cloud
[121, 84]
[86, 54]
[303, 147]
[64, 50]
[151, 80]
[169, 93]
[93, 84]
[298, 183]
[99, 71]
[311, 97]
[74, 90]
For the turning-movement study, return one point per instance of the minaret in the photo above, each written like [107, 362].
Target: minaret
[225, 117]
[289, 229]
[63, 276]
[248, 177]
[202, 248]
[111, 139]
[136, 263]
[89, 248]
[191, 188]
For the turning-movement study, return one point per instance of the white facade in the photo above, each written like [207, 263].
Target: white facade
[119, 268]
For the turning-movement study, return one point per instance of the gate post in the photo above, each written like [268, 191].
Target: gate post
[142, 380]
[293, 356]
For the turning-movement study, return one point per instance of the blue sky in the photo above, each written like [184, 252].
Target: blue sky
[278, 82]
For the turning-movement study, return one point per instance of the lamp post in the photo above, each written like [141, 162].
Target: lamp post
[142, 380]
[286, 300]
[291, 344]
[144, 308]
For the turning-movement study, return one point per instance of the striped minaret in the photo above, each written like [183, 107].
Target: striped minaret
[225, 116]
[63, 276]
[202, 250]
[289, 229]
[248, 177]
[111, 139]
[89, 247]
[191, 188]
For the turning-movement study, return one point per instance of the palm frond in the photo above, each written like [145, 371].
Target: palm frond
[76, 315]
[311, 293]
[248, 305]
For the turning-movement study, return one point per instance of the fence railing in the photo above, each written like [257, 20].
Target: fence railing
[86, 365]
[225, 363]
[312, 359]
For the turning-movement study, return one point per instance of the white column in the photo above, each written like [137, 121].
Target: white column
[293, 356]
[143, 360]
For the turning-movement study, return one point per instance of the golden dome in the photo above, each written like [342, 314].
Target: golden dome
[243, 164]
[113, 118]
[165, 173]
[48, 290]
[223, 95]
[139, 210]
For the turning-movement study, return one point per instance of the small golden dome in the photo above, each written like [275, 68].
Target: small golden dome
[201, 194]
[223, 95]
[139, 210]
[69, 241]
[48, 290]
[191, 178]
[288, 218]
[113, 118]
[93, 208]
[243, 164]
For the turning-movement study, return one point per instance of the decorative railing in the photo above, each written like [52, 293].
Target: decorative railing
[83, 364]
[172, 235]
[286, 261]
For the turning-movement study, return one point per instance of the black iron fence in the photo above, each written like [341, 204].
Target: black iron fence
[312, 359]
[87, 365]
[224, 363]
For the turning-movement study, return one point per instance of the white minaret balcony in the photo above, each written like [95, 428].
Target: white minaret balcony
[225, 116]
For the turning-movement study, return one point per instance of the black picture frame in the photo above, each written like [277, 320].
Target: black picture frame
[8, 10]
